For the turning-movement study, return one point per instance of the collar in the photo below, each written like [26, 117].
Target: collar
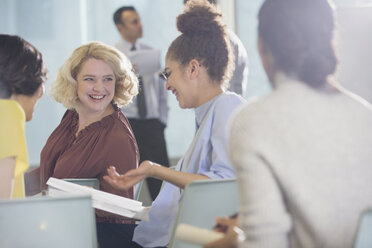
[127, 45]
[202, 111]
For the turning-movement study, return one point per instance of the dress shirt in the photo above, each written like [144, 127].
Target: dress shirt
[207, 155]
[154, 87]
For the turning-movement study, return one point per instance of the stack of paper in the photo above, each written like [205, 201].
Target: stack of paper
[101, 200]
[145, 61]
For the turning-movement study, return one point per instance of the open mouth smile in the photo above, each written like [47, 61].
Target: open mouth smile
[95, 97]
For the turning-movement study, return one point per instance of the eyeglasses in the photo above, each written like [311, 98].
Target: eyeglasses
[164, 74]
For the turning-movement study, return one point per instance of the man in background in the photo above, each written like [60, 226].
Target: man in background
[148, 112]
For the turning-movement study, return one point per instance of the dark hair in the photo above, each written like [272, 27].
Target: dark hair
[211, 1]
[118, 13]
[299, 35]
[22, 69]
[203, 38]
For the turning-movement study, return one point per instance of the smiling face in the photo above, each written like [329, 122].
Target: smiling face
[180, 84]
[95, 87]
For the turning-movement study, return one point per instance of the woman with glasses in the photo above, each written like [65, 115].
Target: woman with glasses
[198, 65]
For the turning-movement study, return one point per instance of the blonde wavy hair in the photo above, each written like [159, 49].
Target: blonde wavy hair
[64, 89]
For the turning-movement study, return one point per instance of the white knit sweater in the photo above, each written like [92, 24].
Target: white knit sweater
[303, 159]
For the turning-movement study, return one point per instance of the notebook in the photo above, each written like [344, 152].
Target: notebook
[101, 200]
[48, 222]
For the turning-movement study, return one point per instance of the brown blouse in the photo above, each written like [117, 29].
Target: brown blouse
[107, 142]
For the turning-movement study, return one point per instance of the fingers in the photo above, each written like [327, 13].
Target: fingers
[111, 171]
[227, 221]
[228, 241]
[124, 181]
[112, 177]
[223, 224]
[109, 180]
[223, 221]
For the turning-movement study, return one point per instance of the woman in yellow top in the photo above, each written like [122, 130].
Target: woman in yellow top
[22, 76]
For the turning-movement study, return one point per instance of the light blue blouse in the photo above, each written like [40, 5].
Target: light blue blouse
[207, 155]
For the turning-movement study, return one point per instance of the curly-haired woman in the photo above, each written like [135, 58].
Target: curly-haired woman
[198, 65]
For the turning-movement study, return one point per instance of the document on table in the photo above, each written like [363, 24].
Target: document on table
[101, 200]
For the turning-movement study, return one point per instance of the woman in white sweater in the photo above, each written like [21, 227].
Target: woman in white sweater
[303, 153]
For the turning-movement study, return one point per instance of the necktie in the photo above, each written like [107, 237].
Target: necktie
[141, 101]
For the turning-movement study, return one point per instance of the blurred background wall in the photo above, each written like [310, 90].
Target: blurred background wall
[57, 27]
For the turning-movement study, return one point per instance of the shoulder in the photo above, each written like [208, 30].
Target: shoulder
[228, 101]
[69, 114]
[118, 136]
[256, 116]
[65, 128]
[236, 43]
[69, 117]
[12, 111]
[14, 126]
[224, 107]
[119, 127]
[234, 39]
[256, 109]
[273, 115]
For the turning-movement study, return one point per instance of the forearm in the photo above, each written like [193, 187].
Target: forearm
[7, 167]
[178, 178]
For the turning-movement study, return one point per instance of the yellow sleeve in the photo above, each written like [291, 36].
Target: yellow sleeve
[10, 130]
[12, 134]
[13, 141]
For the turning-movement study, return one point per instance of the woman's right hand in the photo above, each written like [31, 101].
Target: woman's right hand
[228, 226]
[129, 179]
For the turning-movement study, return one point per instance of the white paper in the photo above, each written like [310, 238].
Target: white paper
[196, 235]
[100, 199]
[145, 61]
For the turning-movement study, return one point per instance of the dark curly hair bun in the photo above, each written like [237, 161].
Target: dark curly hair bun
[200, 19]
[204, 38]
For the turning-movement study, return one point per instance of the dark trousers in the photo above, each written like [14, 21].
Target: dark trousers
[150, 138]
[112, 235]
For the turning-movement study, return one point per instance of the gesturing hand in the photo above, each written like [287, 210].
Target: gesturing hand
[129, 179]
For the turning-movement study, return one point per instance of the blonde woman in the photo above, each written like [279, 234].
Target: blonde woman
[94, 133]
